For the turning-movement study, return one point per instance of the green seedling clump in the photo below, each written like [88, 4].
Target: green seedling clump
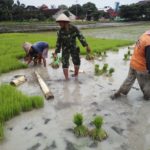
[105, 67]
[127, 56]
[80, 130]
[111, 70]
[13, 102]
[89, 56]
[104, 70]
[56, 62]
[98, 133]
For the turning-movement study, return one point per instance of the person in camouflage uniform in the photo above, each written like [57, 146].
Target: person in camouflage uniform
[66, 41]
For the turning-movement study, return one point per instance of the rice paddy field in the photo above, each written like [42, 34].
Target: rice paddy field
[11, 47]
[11, 53]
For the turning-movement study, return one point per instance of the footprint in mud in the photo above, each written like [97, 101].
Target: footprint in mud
[41, 135]
[70, 145]
[46, 120]
[34, 147]
[10, 128]
[51, 147]
[29, 127]
[70, 130]
[94, 144]
[94, 104]
[117, 130]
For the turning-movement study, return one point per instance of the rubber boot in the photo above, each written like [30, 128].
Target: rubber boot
[65, 70]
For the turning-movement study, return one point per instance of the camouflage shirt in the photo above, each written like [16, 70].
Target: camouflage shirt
[67, 39]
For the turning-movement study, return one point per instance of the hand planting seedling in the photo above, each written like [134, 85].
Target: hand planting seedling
[56, 61]
[89, 56]
[98, 133]
[80, 130]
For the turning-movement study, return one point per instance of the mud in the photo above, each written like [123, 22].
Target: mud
[126, 120]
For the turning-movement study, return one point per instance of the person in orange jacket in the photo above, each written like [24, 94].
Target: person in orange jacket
[139, 68]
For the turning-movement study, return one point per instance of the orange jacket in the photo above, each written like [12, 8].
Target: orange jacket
[138, 59]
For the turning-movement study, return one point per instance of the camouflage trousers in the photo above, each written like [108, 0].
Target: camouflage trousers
[75, 54]
[143, 81]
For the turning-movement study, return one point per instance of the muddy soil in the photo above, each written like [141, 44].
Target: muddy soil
[126, 120]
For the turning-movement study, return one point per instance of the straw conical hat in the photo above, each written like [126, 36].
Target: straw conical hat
[62, 17]
[26, 46]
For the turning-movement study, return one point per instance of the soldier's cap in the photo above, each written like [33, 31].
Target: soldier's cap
[62, 17]
[27, 46]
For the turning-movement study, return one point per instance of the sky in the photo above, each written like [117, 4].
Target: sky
[98, 3]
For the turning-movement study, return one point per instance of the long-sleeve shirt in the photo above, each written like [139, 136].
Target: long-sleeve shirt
[67, 38]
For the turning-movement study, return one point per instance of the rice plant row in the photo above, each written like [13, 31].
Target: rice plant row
[13, 102]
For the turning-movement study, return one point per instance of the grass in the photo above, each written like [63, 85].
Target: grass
[11, 47]
[14, 103]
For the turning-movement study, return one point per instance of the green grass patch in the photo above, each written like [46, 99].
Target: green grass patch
[101, 45]
[13, 102]
[11, 47]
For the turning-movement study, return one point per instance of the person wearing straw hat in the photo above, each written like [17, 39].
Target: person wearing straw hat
[36, 52]
[66, 40]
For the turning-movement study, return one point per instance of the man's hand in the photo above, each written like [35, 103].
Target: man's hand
[88, 49]
[54, 55]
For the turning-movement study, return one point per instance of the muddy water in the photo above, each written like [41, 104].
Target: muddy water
[126, 120]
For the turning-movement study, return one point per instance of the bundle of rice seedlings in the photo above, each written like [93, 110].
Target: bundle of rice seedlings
[105, 67]
[89, 56]
[111, 70]
[98, 133]
[80, 130]
[56, 62]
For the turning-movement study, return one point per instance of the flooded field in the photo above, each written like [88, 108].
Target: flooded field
[128, 32]
[126, 120]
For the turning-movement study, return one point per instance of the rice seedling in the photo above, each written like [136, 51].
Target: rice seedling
[89, 56]
[37, 102]
[1, 131]
[97, 70]
[80, 130]
[13, 102]
[111, 71]
[127, 55]
[105, 67]
[56, 61]
[103, 70]
[98, 133]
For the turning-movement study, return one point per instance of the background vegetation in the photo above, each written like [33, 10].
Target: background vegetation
[10, 11]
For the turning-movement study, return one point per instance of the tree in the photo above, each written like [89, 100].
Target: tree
[18, 11]
[76, 10]
[63, 7]
[88, 9]
[6, 9]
